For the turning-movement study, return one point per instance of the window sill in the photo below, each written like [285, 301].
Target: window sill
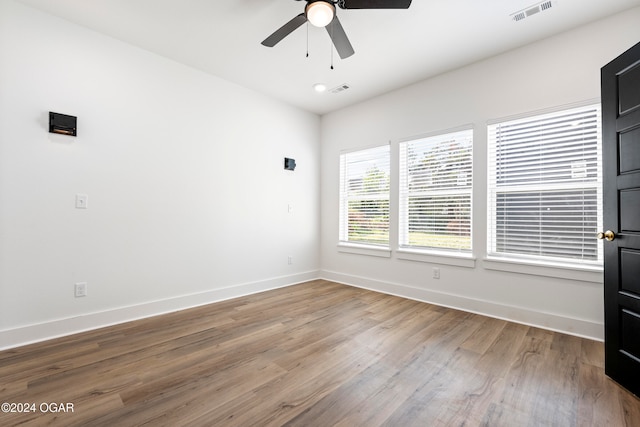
[563, 271]
[437, 257]
[369, 250]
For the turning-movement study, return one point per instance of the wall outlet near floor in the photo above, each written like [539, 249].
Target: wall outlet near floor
[289, 260]
[81, 289]
[436, 273]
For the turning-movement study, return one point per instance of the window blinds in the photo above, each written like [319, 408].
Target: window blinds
[364, 196]
[435, 192]
[545, 180]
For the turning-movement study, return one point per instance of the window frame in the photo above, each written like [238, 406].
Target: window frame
[544, 264]
[406, 250]
[357, 246]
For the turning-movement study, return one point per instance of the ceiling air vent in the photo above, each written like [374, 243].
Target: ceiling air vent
[546, 5]
[340, 88]
[531, 10]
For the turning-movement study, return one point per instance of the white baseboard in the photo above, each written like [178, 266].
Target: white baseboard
[24, 335]
[551, 321]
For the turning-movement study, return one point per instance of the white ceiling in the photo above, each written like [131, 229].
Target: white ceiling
[393, 48]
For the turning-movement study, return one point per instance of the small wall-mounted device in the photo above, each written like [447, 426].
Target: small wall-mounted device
[62, 124]
[289, 164]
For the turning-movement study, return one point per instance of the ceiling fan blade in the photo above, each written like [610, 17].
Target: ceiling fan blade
[374, 4]
[339, 38]
[285, 30]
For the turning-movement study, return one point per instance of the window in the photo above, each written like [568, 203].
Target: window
[545, 198]
[364, 196]
[435, 192]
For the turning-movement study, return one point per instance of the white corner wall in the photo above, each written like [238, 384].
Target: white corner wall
[184, 172]
[558, 71]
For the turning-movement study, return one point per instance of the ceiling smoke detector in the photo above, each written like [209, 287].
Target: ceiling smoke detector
[531, 10]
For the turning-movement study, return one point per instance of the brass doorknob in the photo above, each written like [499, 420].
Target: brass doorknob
[608, 235]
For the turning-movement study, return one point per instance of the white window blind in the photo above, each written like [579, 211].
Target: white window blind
[435, 192]
[545, 180]
[364, 196]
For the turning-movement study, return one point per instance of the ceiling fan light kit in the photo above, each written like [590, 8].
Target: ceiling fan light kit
[321, 13]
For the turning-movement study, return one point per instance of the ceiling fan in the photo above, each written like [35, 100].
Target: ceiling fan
[322, 13]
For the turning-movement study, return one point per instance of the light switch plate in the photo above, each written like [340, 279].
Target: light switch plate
[82, 201]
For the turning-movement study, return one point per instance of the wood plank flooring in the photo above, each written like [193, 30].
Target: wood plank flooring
[316, 354]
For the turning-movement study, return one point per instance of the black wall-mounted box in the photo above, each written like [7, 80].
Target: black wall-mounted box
[62, 124]
[289, 164]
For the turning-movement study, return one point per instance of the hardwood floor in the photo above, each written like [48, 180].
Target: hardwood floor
[316, 354]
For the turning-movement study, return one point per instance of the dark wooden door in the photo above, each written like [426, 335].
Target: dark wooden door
[621, 169]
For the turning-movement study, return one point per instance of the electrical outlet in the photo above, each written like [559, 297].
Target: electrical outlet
[436, 273]
[290, 260]
[81, 289]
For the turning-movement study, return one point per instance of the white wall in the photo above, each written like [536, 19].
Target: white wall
[184, 172]
[187, 196]
[558, 71]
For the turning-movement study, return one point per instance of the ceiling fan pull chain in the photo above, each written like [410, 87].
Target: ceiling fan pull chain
[307, 39]
[331, 46]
